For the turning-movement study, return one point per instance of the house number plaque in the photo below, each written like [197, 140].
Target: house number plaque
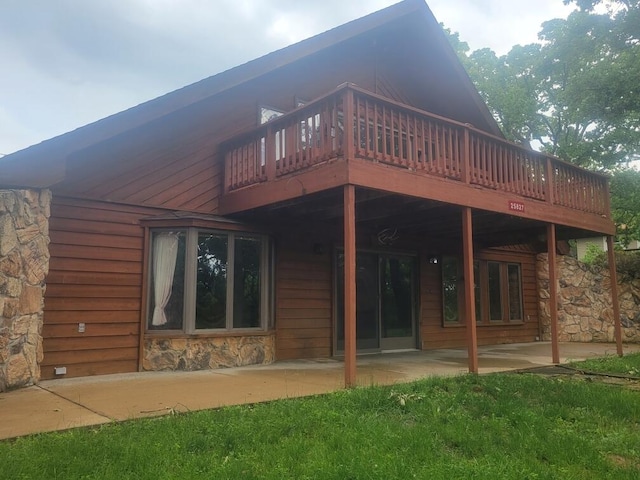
[516, 206]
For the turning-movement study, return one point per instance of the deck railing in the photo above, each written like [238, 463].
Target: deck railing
[402, 136]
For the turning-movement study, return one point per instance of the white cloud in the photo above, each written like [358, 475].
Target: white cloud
[69, 62]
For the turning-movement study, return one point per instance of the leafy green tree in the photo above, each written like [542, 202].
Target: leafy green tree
[575, 94]
[625, 204]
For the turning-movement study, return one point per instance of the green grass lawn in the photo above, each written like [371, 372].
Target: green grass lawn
[495, 426]
[627, 365]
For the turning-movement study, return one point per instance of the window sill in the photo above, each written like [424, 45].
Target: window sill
[209, 334]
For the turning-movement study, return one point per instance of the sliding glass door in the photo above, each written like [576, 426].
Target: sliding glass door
[385, 302]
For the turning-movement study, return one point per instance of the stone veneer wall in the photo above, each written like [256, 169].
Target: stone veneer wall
[24, 264]
[192, 353]
[585, 313]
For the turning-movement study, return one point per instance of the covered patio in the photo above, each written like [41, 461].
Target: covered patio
[85, 401]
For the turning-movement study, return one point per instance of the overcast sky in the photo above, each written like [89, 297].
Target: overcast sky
[66, 63]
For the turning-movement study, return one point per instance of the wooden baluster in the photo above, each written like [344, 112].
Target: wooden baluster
[349, 151]
[465, 174]
[550, 194]
[270, 155]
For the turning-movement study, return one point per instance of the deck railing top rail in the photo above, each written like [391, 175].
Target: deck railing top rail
[384, 131]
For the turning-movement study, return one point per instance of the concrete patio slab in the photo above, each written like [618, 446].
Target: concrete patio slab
[74, 402]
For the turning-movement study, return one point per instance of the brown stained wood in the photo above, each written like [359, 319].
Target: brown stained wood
[70, 330]
[349, 286]
[105, 354]
[301, 343]
[95, 240]
[89, 278]
[307, 303]
[54, 344]
[320, 332]
[303, 320]
[95, 226]
[467, 246]
[97, 266]
[317, 179]
[62, 317]
[87, 212]
[380, 177]
[103, 304]
[55, 290]
[553, 291]
[86, 369]
[94, 252]
[614, 294]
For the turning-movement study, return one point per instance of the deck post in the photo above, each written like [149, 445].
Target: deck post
[550, 196]
[349, 130]
[349, 286]
[469, 291]
[553, 291]
[614, 294]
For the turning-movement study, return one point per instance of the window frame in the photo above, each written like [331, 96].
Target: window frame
[481, 289]
[190, 281]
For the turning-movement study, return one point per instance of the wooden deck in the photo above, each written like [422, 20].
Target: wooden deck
[313, 148]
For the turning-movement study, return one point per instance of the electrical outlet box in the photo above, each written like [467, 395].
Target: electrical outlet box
[60, 370]
[81, 327]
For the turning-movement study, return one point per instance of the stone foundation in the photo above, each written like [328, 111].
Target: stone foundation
[161, 353]
[585, 312]
[24, 264]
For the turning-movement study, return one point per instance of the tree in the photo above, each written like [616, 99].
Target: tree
[575, 94]
[625, 204]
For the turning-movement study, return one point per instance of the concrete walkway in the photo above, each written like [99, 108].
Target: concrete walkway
[75, 402]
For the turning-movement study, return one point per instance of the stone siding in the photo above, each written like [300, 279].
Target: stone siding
[24, 264]
[585, 312]
[162, 353]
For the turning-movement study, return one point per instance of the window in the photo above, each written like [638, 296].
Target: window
[497, 291]
[203, 280]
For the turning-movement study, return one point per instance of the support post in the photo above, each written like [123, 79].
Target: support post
[349, 286]
[469, 291]
[553, 291]
[614, 294]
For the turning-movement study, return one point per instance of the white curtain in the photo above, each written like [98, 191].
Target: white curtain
[165, 254]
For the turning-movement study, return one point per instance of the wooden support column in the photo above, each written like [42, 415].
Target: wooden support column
[349, 286]
[614, 294]
[469, 291]
[553, 291]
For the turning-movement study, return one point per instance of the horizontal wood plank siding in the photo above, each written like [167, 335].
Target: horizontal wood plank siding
[434, 335]
[95, 278]
[303, 305]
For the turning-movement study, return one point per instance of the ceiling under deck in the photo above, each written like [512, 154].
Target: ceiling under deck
[435, 224]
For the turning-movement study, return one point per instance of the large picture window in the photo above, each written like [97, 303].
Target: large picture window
[203, 280]
[497, 292]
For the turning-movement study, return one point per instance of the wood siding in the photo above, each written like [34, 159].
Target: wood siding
[303, 304]
[95, 278]
[434, 335]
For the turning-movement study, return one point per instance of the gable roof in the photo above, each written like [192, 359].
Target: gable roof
[43, 164]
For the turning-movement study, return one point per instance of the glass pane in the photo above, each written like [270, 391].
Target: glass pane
[396, 276]
[366, 301]
[515, 296]
[211, 283]
[450, 289]
[476, 290]
[166, 286]
[495, 293]
[246, 283]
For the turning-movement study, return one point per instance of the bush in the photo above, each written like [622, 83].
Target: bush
[594, 256]
[628, 265]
